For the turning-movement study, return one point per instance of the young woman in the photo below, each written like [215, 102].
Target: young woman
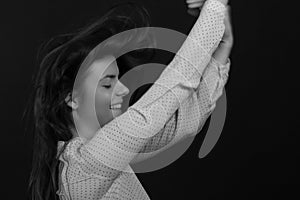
[83, 143]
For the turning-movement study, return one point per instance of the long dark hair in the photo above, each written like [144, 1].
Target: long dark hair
[59, 60]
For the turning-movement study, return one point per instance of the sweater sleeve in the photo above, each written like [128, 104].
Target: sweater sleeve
[119, 141]
[189, 119]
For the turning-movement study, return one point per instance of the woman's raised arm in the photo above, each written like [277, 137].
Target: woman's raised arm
[110, 151]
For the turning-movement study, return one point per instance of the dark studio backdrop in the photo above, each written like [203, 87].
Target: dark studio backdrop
[257, 154]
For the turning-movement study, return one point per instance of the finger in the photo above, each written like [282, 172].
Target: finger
[195, 5]
[228, 36]
[194, 12]
[194, 1]
[228, 19]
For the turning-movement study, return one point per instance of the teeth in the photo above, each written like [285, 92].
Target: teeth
[117, 106]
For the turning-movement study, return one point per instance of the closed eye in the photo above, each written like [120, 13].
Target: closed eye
[107, 86]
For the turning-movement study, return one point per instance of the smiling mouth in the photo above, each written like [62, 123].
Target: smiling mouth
[115, 107]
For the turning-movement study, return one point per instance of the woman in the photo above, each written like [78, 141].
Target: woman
[78, 157]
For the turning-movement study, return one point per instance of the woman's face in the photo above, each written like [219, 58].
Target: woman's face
[101, 90]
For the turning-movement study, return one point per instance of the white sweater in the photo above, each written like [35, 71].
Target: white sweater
[99, 168]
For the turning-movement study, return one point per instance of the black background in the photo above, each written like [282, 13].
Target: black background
[256, 156]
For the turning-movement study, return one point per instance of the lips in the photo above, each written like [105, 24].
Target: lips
[117, 103]
[116, 106]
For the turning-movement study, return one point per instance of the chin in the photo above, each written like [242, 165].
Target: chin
[116, 113]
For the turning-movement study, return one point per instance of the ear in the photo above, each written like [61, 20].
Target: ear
[73, 103]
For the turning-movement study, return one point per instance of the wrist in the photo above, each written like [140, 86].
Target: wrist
[222, 53]
[219, 64]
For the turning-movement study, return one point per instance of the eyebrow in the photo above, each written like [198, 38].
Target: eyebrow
[111, 76]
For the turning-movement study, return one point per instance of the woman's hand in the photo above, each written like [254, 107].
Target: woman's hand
[222, 52]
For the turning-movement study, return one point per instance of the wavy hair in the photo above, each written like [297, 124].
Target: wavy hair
[59, 60]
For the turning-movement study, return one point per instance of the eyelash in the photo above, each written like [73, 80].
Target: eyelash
[107, 86]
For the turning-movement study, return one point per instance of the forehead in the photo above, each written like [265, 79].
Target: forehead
[103, 66]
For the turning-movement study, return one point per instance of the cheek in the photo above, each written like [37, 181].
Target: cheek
[102, 99]
[102, 103]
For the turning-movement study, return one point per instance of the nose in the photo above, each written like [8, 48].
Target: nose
[122, 89]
